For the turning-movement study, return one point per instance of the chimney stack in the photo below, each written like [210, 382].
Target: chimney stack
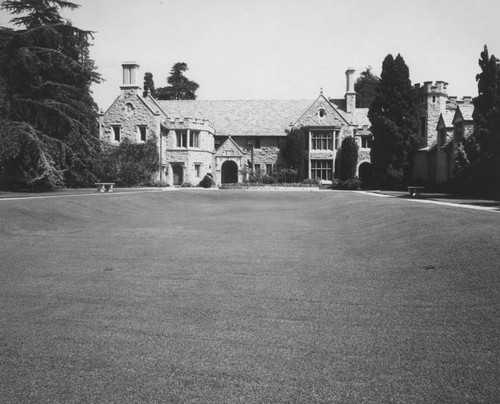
[350, 95]
[130, 70]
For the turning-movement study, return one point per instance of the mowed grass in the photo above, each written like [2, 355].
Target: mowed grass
[251, 297]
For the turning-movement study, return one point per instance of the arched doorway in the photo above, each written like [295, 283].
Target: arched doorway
[229, 174]
[178, 173]
[365, 173]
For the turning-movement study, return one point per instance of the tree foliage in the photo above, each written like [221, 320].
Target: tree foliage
[149, 85]
[49, 128]
[348, 158]
[394, 120]
[478, 157]
[366, 88]
[294, 151]
[131, 164]
[180, 88]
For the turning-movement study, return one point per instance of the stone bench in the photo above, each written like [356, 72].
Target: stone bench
[415, 190]
[104, 186]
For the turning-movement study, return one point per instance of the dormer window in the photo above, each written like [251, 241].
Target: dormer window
[321, 113]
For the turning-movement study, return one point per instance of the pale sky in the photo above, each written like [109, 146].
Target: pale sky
[286, 49]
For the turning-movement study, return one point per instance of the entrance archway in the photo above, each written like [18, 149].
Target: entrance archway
[229, 174]
[365, 173]
[178, 173]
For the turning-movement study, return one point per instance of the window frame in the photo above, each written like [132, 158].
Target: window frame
[117, 133]
[322, 170]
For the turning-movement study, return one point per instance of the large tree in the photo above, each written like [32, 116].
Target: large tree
[394, 119]
[478, 157]
[294, 150]
[180, 88]
[49, 129]
[366, 88]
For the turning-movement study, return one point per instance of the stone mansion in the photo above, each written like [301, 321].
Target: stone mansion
[223, 138]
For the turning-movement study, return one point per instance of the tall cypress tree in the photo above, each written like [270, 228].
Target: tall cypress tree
[366, 88]
[478, 157]
[49, 131]
[394, 119]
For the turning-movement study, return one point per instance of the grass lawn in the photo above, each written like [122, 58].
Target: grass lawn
[251, 297]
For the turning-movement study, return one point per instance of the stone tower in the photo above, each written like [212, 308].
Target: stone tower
[431, 100]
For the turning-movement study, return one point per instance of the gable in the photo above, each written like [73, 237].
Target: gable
[321, 113]
[230, 148]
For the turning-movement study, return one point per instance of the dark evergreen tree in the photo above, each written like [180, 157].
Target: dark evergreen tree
[149, 85]
[366, 88]
[294, 151]
[394, 120]
[181, 88]
[49, 130]
[348, 158]
[478, 157]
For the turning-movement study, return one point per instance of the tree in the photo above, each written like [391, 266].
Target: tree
[294, 151]
[181, 88]
[131, 164]
[149, 85]
[394, 119]
[49, 130]
[478, 156]
[348, 158]
[366, 88]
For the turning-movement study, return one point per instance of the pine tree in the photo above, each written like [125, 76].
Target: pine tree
[366, 88]
[394, 120]
[181, 88]
[478, 157]
[49, 133]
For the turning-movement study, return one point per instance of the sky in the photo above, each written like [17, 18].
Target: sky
[286, 49]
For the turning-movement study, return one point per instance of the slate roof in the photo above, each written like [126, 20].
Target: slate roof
[240, 117]
[467, 111]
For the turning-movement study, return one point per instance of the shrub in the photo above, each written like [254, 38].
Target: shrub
[130, 164]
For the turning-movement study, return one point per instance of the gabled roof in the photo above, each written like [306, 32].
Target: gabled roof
[230, 148]
[240, 117]
[312, 118]
[464, 112]
[446, 119]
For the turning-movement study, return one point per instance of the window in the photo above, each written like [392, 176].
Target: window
[321, 169]
[322, 140]
[181, 138]
[194, 139]
[321, 112]
[269, 169]
[142, 132]
[366, 142]
[117, 132]
[197, 169]
[256, 167]
[433, 98]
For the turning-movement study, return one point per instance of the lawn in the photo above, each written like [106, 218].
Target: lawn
[252, 297]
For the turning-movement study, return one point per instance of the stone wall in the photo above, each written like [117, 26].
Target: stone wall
[129, 112]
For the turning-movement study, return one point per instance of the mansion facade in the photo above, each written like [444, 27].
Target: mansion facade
[225, 138]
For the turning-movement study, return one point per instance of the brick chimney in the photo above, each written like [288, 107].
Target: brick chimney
[130, 70]
[350, 95]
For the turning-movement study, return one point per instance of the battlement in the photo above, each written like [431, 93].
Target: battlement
[188, 123]
[430, 87]
[453, 101]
